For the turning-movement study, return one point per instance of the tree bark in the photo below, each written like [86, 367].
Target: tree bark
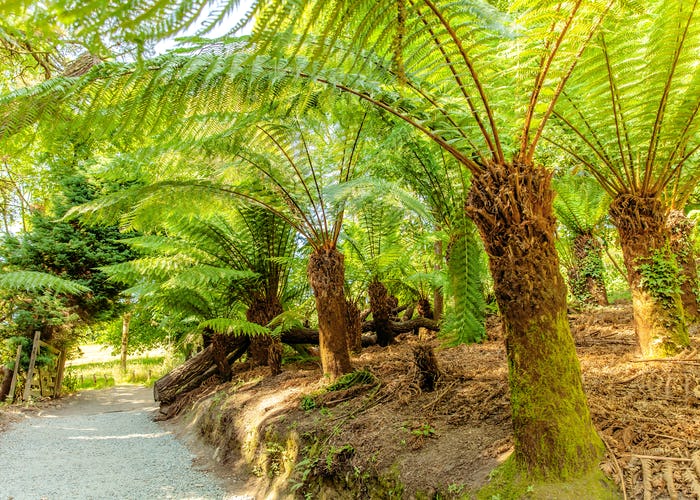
[6, 374]
[126, 321]
[326, 273]
[680, 228]
[553, 433]
[426, 363]
[652, 275]
[438, 295]
[354, 326]
[587, 278]
[381, 310]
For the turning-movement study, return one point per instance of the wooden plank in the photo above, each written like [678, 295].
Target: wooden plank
[30, 370]
[18, 356]
[59, 376]
[49, 347]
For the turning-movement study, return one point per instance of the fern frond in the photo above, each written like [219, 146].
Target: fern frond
[234, 326]
[33, 281]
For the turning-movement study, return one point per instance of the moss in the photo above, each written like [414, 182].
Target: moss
[554, 436]
[508, 483]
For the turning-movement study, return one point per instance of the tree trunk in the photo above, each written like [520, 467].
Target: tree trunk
[261, 311]
[126, 320]
[326, 273]
[193, 372]
[587, 278]
[438, 293]
[354, 326]
[554, 436]
[6, 377]
[381, 310]
[652, 275]
[681, 228]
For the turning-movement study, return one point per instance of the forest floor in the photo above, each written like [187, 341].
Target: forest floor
[447, 441]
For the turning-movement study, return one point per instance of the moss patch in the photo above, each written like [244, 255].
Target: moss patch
[507, 483]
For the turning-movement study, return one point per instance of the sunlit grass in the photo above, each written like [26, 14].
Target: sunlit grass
[139, 371]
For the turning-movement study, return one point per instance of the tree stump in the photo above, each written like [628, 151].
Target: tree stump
[428, 370]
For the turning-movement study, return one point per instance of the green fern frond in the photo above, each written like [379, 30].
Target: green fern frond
[232, 326]
[33, 281]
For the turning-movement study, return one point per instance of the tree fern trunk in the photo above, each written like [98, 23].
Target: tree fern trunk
[554, 435]
[262, 310]
[681, 228]
[652, 274]
[438, 293]
[354, 323]
[381, 310]
[326, 273]
[587, 279]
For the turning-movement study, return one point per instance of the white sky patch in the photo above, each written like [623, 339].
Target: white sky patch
[221, 29]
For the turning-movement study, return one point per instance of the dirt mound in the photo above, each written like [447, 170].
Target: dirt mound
[387, 436]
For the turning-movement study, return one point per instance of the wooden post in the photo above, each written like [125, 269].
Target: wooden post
[15, 373]
[30, 370]
[59, 375]
[126, 320]
[41, 382]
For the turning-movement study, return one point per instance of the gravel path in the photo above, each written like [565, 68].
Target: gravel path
[99, 445]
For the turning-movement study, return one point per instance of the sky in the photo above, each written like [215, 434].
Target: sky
[218, 31]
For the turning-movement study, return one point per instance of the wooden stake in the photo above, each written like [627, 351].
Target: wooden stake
[30, 370]
[13, 385]
[59, 376]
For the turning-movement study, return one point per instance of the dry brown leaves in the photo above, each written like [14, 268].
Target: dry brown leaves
[646, 411]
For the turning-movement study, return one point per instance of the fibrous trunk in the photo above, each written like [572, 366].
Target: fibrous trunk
[587, 278]
[680, 228]
[262, 310]
[381, 311]
[652, 274]
[554, 435]
[6, 381]
[354, 323]
[326, 273]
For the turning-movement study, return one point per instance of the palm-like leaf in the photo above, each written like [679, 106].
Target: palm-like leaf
[32, 281]
[632, 109]
[581, 204]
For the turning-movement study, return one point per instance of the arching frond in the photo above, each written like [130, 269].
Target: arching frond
[631, 111]
[580, 204]
[32, 281]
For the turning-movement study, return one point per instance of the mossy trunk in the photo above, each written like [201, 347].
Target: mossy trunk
[354, 323]
[652, 274]
[681, 228]
[587, 278]
[326, 273]
[554, 436]
[438, 293]
[381, 311]
[262, 310]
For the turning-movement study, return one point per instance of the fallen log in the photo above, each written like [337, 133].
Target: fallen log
[196, 370]
[193, 372]
[405, 326]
